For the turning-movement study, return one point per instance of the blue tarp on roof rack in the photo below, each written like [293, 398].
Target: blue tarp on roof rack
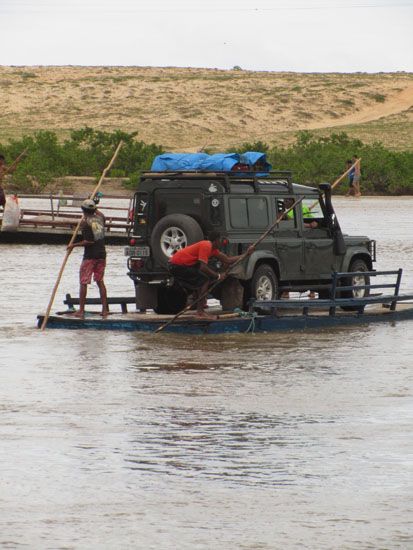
[177, 161]
[221, 162]
[247, 163]
[259, 160]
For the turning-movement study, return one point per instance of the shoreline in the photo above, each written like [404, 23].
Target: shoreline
[75, 185]
[84, 185]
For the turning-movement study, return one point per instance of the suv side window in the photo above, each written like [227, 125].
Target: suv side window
[290, 219]
[249, 212]
[312, 211]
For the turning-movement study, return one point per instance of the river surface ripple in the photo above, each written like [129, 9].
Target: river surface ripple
[120, 440]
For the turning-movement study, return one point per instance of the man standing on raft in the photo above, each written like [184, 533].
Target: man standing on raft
[94, 257]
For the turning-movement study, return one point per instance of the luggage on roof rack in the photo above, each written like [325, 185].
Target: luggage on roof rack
[251, 162]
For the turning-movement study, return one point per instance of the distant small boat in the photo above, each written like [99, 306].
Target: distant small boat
[54, 222]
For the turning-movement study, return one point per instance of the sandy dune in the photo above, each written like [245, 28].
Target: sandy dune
[400, 102]
[187, 109]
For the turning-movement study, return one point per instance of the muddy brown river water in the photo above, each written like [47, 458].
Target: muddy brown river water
[122, 440]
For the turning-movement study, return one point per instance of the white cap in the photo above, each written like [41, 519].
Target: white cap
[88, 204]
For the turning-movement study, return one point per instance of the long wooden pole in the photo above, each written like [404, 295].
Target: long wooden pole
[14, 163]
[240, 259]
[338, 180]
[56, 286]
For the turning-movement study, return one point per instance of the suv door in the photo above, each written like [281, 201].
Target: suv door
[319, 257]
[288, 242]
[139, 215]
[186, 201]
[248, 218]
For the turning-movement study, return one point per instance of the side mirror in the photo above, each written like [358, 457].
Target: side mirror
[325, 187]
[339, 244]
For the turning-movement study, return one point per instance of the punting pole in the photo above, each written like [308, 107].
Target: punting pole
[14, 163]
[240, 259]
[102, 177]
[338, 180]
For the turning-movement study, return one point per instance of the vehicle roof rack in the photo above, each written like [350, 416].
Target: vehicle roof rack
[225, 176]
[212, 173]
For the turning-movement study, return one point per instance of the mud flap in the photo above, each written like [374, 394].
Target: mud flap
[146, 296]
[231, 294]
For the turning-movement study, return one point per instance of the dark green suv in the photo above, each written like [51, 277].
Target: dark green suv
[174, 209]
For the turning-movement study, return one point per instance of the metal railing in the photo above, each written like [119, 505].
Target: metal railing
[351, 302]
[63, 211]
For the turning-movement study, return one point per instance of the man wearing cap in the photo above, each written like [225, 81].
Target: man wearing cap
[94, 256]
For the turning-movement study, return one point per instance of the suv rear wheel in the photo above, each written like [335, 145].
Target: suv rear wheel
[264, 283]
[172, 233]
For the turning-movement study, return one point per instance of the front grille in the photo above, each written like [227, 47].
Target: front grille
[372, 250]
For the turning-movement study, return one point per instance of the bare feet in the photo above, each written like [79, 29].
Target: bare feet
[285, 295]
[105, 313]
[79, 314]
[195, 304]
[311, 296]
[206, 316]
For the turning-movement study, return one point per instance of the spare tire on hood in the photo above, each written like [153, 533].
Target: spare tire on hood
[172, 233]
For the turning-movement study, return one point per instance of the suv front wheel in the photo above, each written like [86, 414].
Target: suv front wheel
[358, 265]
[264, 283]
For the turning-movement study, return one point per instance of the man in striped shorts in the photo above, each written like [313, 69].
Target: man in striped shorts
[94, 256]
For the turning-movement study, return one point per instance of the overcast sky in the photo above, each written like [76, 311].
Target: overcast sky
[271, 35]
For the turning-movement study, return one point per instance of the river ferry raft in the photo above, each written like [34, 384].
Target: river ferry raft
[51, 219]
[263, 316]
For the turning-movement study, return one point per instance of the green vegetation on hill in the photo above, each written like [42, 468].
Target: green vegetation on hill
[86, 153]
[313, 159]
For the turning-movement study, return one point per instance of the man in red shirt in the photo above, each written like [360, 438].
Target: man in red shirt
[190, 267]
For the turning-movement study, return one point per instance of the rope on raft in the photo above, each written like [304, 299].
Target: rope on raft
[247, 314]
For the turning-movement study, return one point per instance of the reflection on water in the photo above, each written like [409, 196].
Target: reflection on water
[211, 444]
[290, 440]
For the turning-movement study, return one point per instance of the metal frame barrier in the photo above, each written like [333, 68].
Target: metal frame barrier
[335, 300]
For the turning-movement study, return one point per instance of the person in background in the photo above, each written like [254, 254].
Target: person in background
[94, 256]
[189, 266]
[3, 167]
[2, 197]
[357, 176]
[350, 176]
[96, 199]
[3, 170]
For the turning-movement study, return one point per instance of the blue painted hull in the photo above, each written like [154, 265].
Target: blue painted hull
[262, 323]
